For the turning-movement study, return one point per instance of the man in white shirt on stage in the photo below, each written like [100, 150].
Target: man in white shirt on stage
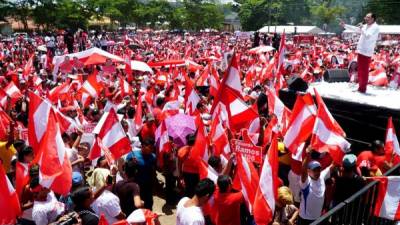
[365, 47]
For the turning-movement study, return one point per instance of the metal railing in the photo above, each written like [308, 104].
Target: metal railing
[358, 209]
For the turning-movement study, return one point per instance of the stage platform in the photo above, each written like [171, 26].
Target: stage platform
[362, 116]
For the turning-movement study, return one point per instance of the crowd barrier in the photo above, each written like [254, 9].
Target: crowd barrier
[358, 209]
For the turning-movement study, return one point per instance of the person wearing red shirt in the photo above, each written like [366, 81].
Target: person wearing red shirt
[376, 159]
[188, 166]
[227, 203]
[109, 68]
[78, 65]
[149, 128]
[66, 66]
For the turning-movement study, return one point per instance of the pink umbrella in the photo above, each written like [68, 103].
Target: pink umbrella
[179, 126]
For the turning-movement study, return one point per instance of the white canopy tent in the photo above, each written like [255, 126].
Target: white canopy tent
[291, 29]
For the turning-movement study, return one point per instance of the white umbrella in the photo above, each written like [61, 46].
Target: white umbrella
[42, 48]
[141, 66]
[261, 49]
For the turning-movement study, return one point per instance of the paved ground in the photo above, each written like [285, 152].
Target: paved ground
[160, 207]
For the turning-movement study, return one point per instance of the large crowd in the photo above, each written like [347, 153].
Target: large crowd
[173, 126]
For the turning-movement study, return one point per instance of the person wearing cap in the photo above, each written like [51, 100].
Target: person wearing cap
[348, 182]
[313, 188]
[149, 128]
[376, 159]
[77, 181]
[146, 166]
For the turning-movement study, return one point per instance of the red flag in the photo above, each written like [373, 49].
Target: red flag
[9, 203]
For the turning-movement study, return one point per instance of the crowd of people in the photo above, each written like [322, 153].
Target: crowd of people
[119, 183]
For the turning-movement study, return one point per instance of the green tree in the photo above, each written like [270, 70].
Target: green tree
[255, 14]
[327, 14]
[72, 14]
[45, 14]
[386, 10]
[21, 10]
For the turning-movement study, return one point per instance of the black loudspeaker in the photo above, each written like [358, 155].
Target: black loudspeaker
[336, 75]
[295, 83]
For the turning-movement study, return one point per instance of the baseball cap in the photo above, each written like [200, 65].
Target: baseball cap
[314, 165]
[77, 178]
[349, 160]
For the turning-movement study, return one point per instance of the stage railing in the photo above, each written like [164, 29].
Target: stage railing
[358, 209]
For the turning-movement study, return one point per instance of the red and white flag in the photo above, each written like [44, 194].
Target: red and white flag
[138, 120]
[55, 168]
[126, 89]
[164, 137]
[200, 147]
[38, 116]
[301, 122]
[5, 121]
[214, 82]
[92, 86]
[21, 177]
[13, 92]
[279, 79]
[277, 108]
[28, 68]
[191, 98]
[112, 136]
[327, 134]
[206, 171]
[388, 200]
[57, 92]
[218, 137]
[240, 115]
[9, 204]
[264, 204]
[249, 180]
[391, 142]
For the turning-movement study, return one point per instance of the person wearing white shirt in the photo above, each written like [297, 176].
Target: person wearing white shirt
[46, 207]
[313, 188]
[189, 210]
[365, 47]
[108, 204]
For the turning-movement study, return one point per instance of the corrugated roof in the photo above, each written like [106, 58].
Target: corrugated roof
[291, 29]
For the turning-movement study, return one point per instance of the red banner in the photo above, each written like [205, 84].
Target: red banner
[248, 150]
[300, 39]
